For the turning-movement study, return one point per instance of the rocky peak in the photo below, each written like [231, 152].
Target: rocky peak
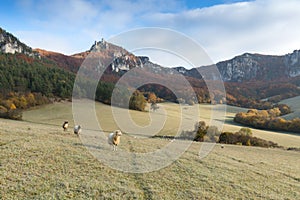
[122, 59]
[180, 69]
[10, 44]
[100, 45]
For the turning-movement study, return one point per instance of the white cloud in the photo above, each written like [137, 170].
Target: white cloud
[83, 21]
[264, 26]
[224, 31]
[68, 12]
[164, 46]
[51, 42]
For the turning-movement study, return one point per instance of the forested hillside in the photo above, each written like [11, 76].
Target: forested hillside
[21, 73]
[27, 81]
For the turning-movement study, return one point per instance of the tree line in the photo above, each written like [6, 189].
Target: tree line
[269, 119]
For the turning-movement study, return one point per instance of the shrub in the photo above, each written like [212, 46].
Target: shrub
[202, 133]
[152, 98]
[15, 114]
[284, 109]
[201, 130]
[248, 143]
[227, 138]
[212, 134]
[242, 139]
[245, 131]
[3, 111]
[137, 101]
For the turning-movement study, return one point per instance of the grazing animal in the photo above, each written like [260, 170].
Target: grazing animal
[114, 139]
[65, 125]
[77, 129]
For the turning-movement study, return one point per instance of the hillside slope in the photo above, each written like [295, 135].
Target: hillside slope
[70, 63]
[294, 104]
[42, 161]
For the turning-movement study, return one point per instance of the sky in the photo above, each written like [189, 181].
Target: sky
[223, 28]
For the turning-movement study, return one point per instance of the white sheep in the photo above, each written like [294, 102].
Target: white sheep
[114, 139]
[77, 129]
[65, 125]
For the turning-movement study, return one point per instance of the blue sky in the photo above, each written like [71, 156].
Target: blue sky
[224, 28]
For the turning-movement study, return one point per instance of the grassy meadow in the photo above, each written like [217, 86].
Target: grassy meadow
[294, 104]
[38, 160]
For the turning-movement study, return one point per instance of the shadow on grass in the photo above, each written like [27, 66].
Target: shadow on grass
[88, 145]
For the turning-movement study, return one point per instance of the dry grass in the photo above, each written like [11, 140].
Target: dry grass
[39, 160]
[58, 112]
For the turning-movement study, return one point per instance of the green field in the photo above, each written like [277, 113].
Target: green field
[38, 160]
[294, 104]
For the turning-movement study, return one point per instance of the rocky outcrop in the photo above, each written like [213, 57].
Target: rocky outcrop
[292, 61]
[240, 68]
[119, 58]
[10, 44]
[252, 67]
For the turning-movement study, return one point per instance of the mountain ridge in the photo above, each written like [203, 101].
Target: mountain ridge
[248, 78]
[253, 66]
[241, 68]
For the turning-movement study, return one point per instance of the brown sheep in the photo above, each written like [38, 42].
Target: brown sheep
[114, 139]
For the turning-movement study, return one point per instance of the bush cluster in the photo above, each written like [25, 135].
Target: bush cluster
[12, 103]
[240, 138]
[204, 133]
[269, 119]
